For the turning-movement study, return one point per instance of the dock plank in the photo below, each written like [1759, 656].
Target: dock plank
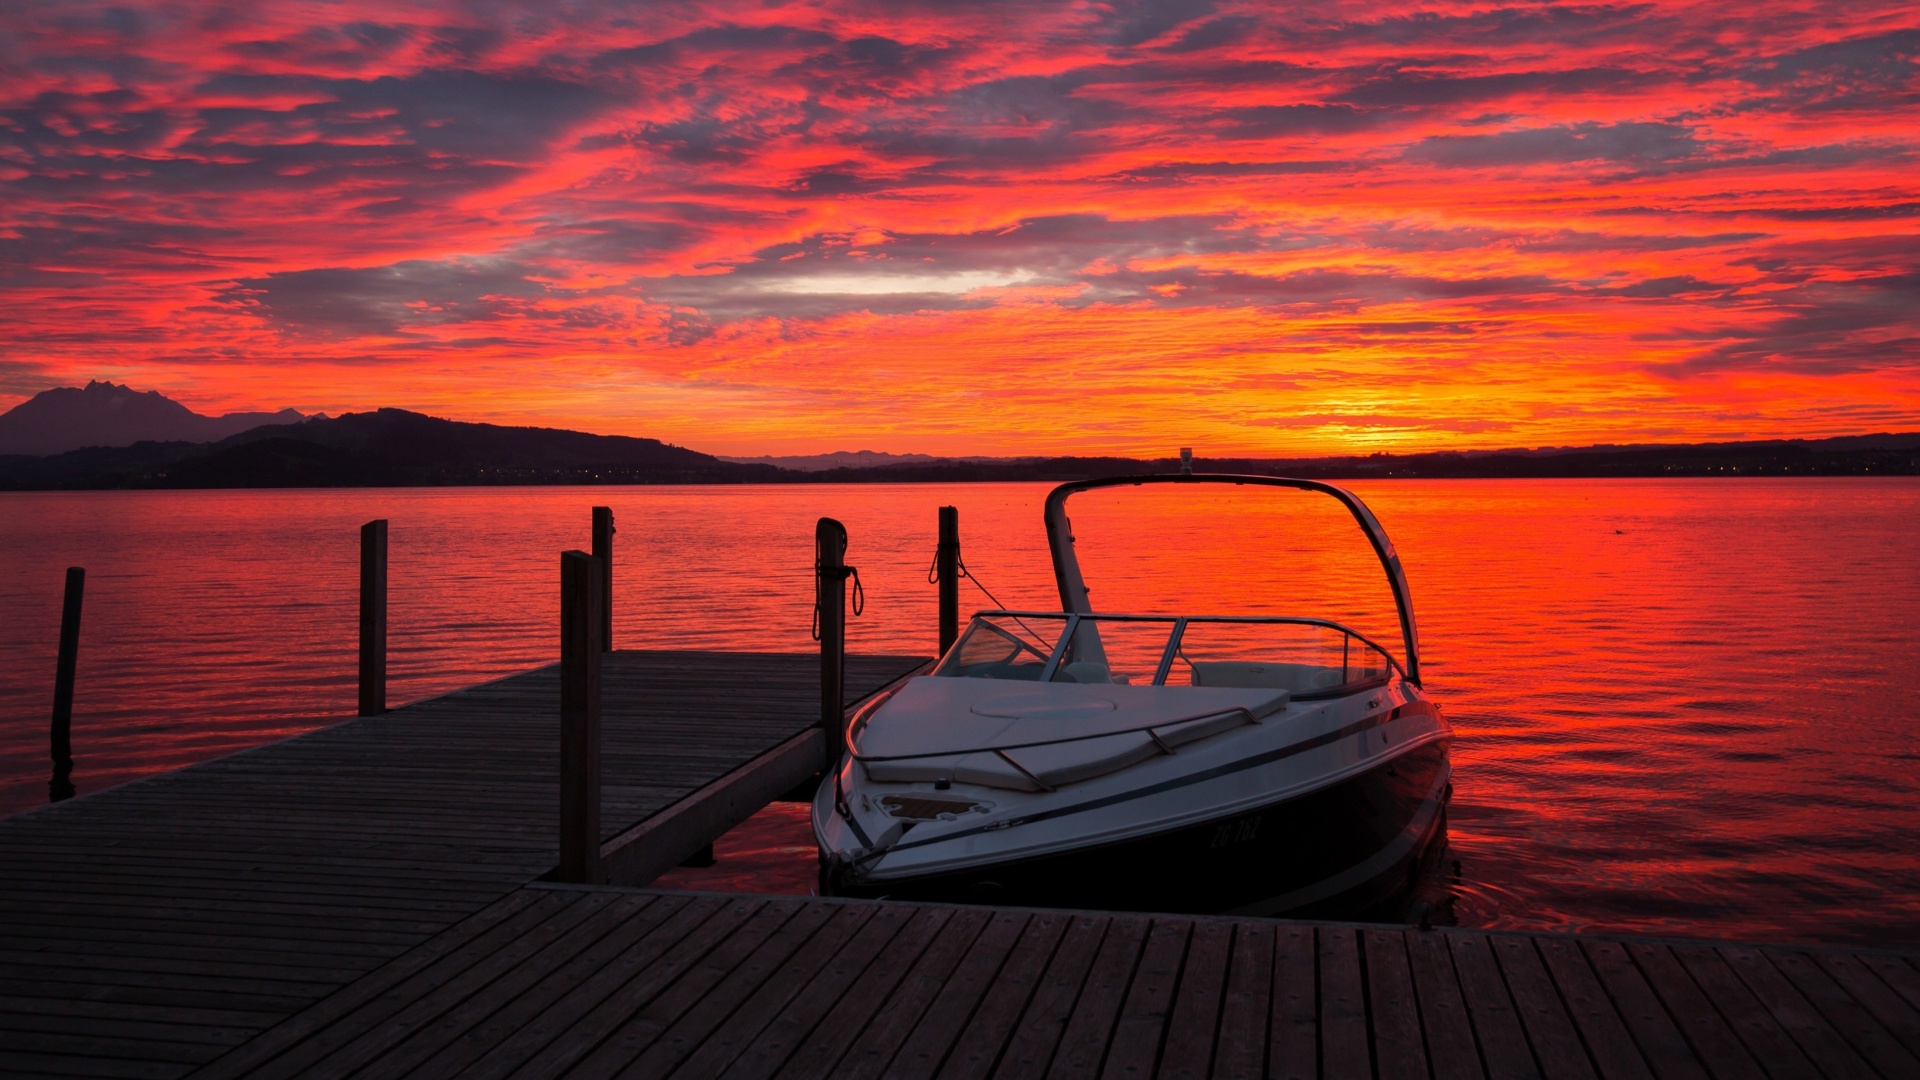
[1344, 1045]
[1135, 1046]
[1550, 1031]
[978, 1050]
[1397, 1046]
[702, 928]
[1192, 1030]
[925, 1050]
[830, 1040]
[1294, 1053]
[1762, 1034]
[1031, 1048]
[893, 1025]
[1847, 1016]
[1611, 1048]
[1802, 1021]
[689, 1007]
[1857, 978]
[1240, 1052]
[1443, 1009]
[1496, 1023]
[731, 1024]
[1707, 1033]
[1665, 1049]
[1083, 1045]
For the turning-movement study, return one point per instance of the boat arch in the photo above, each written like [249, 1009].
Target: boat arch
[1073, 587]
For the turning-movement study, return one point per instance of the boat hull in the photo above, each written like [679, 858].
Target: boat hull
[1352, 849]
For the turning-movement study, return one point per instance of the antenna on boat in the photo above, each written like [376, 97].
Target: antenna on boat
[1186, 461]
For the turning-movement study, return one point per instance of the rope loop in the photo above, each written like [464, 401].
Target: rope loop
[933, 568]
[821, 573]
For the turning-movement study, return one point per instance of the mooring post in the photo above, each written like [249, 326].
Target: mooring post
[830, 609]
[580, 625]
[61, 786]
[946, 559]
[373, 618]
[603, 551]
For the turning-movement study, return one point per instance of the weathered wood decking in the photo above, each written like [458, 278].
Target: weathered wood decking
[585, 982]
[148, 929]
[361, 901]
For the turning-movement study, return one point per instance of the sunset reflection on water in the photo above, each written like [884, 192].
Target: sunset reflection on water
[1680, 706]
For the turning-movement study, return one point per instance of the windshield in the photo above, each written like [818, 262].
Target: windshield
[1307, 657]
[1004, 646]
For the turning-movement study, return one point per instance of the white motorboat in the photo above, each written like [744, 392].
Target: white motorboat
[1166, 762]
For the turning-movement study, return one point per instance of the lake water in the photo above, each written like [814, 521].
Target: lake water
[1682, 707]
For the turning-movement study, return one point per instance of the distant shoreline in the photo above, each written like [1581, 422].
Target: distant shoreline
[393, 448]
[1857, 465]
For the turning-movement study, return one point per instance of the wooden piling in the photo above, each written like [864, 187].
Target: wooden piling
[603, 551]
[61, 786]
[373, 617]
[830, 608]
[580, 626]
[947, 568]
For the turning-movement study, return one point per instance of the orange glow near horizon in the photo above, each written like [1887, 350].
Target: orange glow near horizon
[1069, 228]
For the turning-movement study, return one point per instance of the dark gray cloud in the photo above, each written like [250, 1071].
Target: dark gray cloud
[1876, 72]
[1227, 30]
[1280, 121]
[397, 143]
[1821, 327]
[1182, 171]
[1489, 28]
[347, 47]
[612, 242]
[82, 249]
[1636, 143]
[1420, 88]
[386, 300]
[1136, 22]
[459, 114]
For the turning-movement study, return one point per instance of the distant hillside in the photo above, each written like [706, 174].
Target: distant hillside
[1849, 455]
[843, 459]
[104, 414]
[387, 448]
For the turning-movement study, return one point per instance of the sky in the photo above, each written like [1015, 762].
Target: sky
[976, 228]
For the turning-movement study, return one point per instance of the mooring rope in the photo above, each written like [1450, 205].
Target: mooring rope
[820, 574]
[933, 572]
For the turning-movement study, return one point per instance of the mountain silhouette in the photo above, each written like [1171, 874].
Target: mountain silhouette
[384, 448]
[105, 414]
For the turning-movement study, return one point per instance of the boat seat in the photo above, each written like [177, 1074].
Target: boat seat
[1299, 678]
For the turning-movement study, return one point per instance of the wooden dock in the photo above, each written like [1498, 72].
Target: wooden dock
[597, 982]
[150, 928]
[365, 900]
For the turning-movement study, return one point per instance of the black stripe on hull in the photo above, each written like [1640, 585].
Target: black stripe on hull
[1349, 850]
